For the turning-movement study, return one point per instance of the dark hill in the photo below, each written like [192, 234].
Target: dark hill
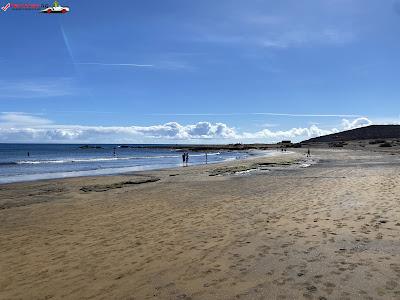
[363, 133]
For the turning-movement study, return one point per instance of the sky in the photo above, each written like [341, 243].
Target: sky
[178, 71]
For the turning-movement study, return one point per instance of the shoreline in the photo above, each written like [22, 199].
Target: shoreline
[362, 145]
[119, 170]
[228, 167]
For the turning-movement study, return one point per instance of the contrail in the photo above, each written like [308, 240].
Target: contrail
[219, 114]
[67, 44]
[260, 113]
[106, 64]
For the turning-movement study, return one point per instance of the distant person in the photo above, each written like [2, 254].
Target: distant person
[206, 158]
[308, 152]
[187, 158]
[28, 154]
[183, 158]
[114, 151]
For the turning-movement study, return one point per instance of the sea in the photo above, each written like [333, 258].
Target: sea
[28, 162]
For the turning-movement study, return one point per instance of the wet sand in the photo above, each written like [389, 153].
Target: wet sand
[266, 228]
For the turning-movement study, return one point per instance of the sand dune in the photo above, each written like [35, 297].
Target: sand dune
[278, 231]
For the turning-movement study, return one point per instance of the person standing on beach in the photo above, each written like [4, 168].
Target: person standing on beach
[308, 152]
[183, 158]
[187, 158]
[206, 158]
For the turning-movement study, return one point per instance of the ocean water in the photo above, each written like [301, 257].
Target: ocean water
[47, 161]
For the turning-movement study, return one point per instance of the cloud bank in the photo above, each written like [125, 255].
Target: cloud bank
[20, 127]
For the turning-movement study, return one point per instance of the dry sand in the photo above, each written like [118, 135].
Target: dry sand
[328, 231]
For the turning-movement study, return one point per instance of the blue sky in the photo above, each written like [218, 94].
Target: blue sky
[198, 71]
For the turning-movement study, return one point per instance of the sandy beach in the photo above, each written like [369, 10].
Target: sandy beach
[282, 227]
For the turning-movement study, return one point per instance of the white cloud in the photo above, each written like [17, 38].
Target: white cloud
[39, 87]
[309, 132]
[269, 125]
[296, 38]
[296, 25]
[276, 31]
[356, 123]
[19, 127]
[286, 39]
[18, 119]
